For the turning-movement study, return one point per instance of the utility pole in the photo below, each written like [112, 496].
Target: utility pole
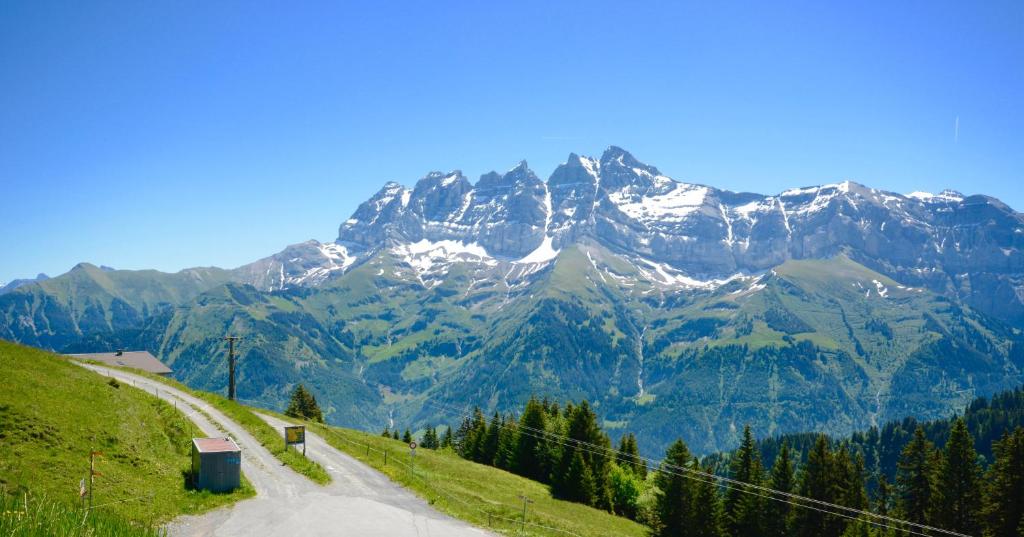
[412, 458]
[231, 365]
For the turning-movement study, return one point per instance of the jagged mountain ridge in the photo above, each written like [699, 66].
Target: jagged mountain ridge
[609, 281]
[6, 287]
[970, 246]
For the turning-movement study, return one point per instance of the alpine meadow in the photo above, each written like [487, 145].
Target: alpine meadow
[762, 276]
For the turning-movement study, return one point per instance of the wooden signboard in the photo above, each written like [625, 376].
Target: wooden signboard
[295, 435]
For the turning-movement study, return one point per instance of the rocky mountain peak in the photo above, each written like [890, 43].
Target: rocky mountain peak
[619, 169]
[435, 180]
[702, 232]
[521, 174]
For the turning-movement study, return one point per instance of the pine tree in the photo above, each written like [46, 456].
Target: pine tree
[675, 497]
[883, 496]
[707, 507]
[915, 482]
[477, 436]
[959, 496]
[489, 449]
[446, 440]
[1004, 512]
[407, 436]
[849, 472]
[394, 434]
[459, 440]
[507, 442]
[578, 481]
[387, 432]
[743, 511]
[531, 459]
[883, 505]
[817, 481]
[471, 436]
[628, 456]
[303, 405]
[584, 433]
[783, 479]
[429, 440]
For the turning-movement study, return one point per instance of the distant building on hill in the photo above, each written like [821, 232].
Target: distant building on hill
[141, 360]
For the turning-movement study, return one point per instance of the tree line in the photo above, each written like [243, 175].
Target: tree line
[987, 419]
[944, 487]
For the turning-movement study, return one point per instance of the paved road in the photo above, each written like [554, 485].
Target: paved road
[360, 501]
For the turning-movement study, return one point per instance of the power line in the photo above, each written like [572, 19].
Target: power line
[690, 473]
[728, 482]
[451, 496]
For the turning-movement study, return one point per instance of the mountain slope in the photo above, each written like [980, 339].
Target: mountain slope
[14, 284]
[812, 345]
[92, 301]
[52, 414]
[678, 308]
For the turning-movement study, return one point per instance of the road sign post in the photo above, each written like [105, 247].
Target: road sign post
[412, 457]
[295, 435]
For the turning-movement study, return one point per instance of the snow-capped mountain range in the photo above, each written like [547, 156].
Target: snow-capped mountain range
[680, 309]
[680, 234]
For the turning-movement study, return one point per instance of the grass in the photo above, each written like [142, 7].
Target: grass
[27, 515]
[267, 436]
[479, 494]
[53, 413]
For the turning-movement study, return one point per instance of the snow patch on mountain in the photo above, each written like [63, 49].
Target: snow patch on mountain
[882, 290]
[666, 275]
[544, 253]
[944, 196]
[428, 257]
[672, 206]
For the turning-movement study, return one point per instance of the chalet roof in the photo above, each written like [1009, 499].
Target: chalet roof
[141, 360]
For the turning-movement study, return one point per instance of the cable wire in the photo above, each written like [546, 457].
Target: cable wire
[731, 483]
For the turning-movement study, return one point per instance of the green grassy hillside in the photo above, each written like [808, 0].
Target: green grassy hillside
[480, 494]
[267, 436]
[32, 515]
[53, 413]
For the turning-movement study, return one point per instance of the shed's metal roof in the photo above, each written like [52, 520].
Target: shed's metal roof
[134, 359]
[215, 445]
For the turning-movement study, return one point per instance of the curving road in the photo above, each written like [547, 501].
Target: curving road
[359, 500]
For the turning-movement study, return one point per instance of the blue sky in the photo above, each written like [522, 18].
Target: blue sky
[168, 135]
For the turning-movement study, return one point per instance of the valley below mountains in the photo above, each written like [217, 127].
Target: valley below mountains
[676, 309]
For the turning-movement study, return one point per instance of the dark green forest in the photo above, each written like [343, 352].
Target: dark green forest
[987, 419]
[963, 475]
